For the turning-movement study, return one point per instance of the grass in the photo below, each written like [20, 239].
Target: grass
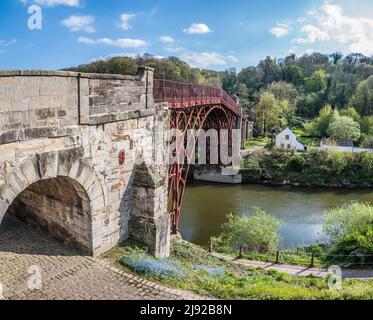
[198, 271]
[309, 141]
[258, 142]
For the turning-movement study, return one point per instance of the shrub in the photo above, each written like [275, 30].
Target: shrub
[368, 142]
[344, 128]
[164, 269]
[350, 228]
[187, 252]
[212, 271]
[339, 161]
[258, 232]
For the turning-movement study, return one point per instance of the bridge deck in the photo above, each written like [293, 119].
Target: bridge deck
[187, 95]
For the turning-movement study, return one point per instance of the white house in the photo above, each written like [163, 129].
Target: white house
[288, 140]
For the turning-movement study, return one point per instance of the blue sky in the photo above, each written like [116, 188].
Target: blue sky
[209, 34]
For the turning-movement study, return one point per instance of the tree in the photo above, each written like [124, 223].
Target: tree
[293, 74]
[270, 70]
[317, 82]
[268, 113]
[351, 113]
[350, 228]
[366, 125]
[309, 105]
[342, 86]
[368, 143]
[322, 123]
[284, 91]
[336, 57]
[244, 96]
[258, 232]
[363, 99]
[229, 80]
[344, 128]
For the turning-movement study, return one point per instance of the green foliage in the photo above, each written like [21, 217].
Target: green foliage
[186, 252]
[366, 125]
[257, 142]
[258, 232]
[268, 113]
[284, 91]
[226, 280]
[316, 79]
[344, 128]
[368, 143]
[363, 99]
[320, 126]
[315, 167]
[350, 228]
[317, 82]
[350, 112]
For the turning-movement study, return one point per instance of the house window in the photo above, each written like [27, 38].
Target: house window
[282, 146]
[289, 146]
[287, 137]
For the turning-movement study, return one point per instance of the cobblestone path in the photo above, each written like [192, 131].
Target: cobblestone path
[65, 273]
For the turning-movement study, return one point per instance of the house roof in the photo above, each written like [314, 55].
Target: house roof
[338, 142]
[286, 130]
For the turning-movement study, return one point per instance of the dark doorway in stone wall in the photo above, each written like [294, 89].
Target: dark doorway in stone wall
[54, 209]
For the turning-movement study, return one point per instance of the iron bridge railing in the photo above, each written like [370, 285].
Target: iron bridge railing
[185, 95]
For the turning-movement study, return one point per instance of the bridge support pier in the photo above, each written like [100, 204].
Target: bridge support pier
[215, 174]
[150, 220]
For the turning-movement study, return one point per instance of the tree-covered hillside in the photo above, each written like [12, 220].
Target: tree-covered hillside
[279, 92]
[171, 68]
[311, 81]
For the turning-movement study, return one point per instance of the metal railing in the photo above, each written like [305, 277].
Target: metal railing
[184, 95]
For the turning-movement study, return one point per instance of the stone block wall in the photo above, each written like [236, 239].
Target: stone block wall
[75, 125]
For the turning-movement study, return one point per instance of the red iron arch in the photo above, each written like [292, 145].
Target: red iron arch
[192, 107]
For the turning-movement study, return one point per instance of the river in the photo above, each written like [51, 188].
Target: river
[205, 208]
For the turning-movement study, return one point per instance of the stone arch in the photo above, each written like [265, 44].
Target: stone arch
[66, 165]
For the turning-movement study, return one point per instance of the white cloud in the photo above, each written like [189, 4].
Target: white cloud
[121, 43]
[52, 3]
[280, 31]
[346, 33]
[80, 23]
[204, 59]
[6, 43]
[175, 49]
[198, 28]
[166, 39]
[232, 59]
[125, 19]
[314, 34]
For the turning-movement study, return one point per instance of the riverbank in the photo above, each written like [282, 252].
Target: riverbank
[312, 169]
[248, 178]
[193, 268]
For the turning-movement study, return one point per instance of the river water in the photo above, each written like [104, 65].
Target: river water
[206, 206]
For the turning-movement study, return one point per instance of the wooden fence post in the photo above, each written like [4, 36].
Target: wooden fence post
[312, 260]
[241, 252]
[277, 257]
